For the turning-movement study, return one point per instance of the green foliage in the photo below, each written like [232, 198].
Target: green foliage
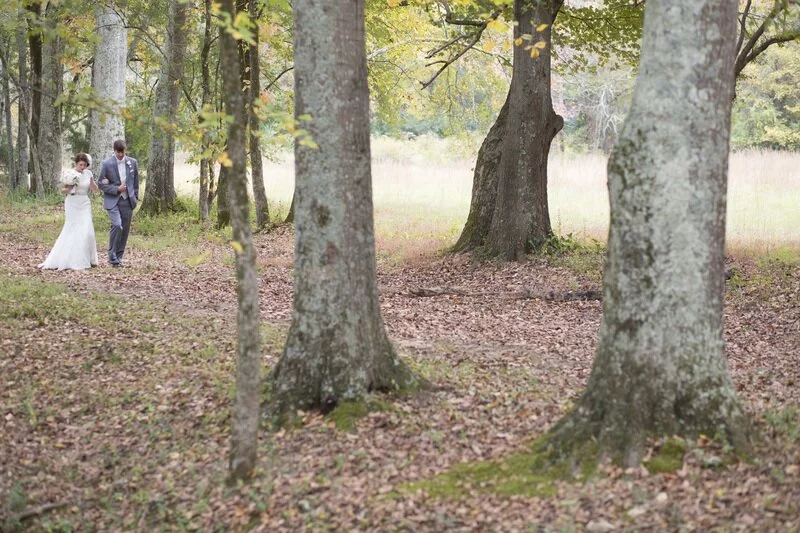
[766, 110]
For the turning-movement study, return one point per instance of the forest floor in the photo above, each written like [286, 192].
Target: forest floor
[116, 387]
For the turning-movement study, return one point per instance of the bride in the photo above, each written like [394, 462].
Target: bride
[76, 247]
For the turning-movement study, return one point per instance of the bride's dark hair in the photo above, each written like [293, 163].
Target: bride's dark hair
[82, 157]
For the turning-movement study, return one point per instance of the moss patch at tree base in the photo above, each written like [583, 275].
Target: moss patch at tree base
[346, 415]
[669, 458]
[533, 472]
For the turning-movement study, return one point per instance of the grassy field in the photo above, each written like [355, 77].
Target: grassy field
[422, 189]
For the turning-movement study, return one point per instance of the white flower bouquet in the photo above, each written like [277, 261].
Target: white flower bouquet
[69, 178]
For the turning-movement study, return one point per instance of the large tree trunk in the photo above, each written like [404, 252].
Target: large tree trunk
[52, 84]
[23, 107]
[108, 79]
[337, 348]
[521, 218]
[159, 192]
[509, 213]
[484, 187]
[244, 436]
[660, 368]
[256, 163]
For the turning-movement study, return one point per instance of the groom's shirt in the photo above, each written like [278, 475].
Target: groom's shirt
[123, 176]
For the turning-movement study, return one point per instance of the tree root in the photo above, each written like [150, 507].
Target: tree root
[526, 294]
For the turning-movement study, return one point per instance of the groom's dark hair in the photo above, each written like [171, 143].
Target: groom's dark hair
[119, 145]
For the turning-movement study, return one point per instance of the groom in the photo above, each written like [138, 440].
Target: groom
[119, 181]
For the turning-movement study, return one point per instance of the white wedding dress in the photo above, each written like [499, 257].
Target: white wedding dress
[76, 247]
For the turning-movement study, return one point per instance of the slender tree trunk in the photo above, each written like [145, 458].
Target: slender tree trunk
[337, 348]
[5, 55]
[223, 209]
[23, 106]
[660, 368]
[206, 169]
[256, 163]
[244, 437]
[108, 79]
[159, 192]
[35, 46]
[52, 85]
[509, 213]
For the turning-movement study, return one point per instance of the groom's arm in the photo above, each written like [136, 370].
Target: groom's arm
[136, 177]
[103, 182]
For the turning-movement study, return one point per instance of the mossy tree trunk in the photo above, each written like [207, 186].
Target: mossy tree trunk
[159, 192]
[246, 411]
[337, 348]
[660, 368]
[509, 213]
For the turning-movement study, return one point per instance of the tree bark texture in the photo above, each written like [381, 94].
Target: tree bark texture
[509, 212]
[521, 218]
[52, 84]
[484, 187]
[108, 80]
[206, 169]
[246, 411]
[256, 163]
[159, 192]
[11, 162]
[35, 84]
[23, 115]
[660, 368]
[337, 348]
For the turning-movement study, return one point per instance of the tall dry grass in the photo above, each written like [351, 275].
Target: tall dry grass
[421, 191]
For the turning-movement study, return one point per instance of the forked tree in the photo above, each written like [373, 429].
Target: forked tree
[246, 410]
[337, 348]
[660, 367]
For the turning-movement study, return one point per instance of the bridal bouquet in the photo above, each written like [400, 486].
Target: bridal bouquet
[69, 178]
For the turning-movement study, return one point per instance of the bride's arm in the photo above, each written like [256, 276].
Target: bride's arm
[92, 184]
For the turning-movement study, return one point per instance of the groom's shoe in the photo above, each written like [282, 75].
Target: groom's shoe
[115, 265]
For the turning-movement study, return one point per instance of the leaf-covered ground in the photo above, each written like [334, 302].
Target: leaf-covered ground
[116, 386]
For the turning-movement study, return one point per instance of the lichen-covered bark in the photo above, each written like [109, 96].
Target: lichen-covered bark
[108, 80]
[159, 192]
[660, 368]
[337, 348]
[23, 106]
[246, 410]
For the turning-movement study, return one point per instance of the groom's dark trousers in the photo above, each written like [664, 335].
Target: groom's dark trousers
[120, 216]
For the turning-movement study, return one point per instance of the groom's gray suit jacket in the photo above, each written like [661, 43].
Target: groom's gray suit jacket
[109, 181]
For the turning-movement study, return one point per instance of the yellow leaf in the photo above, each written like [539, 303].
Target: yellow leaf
[224, 160]
[540, 45]
[518, 41]
[496, 25]
[393, 3]
[506, 46]
[488, 45]
[236, 245]
[534, 52]
[542, 27]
